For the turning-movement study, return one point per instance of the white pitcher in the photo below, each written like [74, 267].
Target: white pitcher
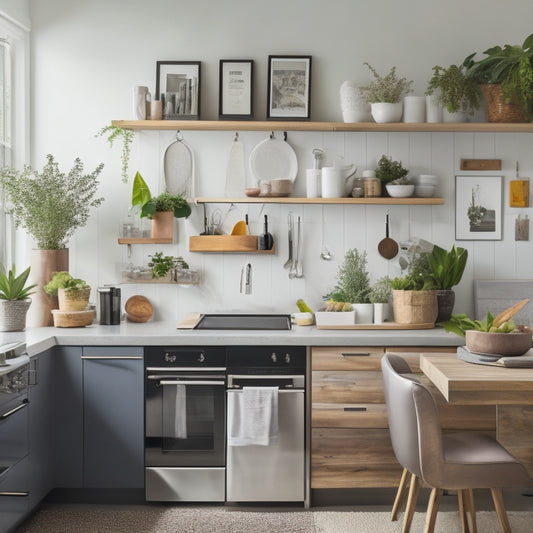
[336, 181]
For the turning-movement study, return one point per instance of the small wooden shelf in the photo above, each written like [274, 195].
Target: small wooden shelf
[346, 201]
[268, 125]
[144, 240]
[226, 243]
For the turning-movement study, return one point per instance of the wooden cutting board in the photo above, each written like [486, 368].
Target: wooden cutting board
[189, 321]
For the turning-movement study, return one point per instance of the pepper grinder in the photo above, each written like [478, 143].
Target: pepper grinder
[265, 241]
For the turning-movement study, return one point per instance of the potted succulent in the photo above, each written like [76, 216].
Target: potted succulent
[447, 269]
[14, 299]
[50, 205]
[385, 93]
[505, 76]
[72, 293]
[457, 93]
[389, 171]
[379, 295]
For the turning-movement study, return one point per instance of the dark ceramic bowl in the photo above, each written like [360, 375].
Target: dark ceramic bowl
[498, 343]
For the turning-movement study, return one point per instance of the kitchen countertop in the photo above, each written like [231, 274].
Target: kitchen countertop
[165, 333]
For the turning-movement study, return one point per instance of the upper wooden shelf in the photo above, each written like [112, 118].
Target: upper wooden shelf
[268, 125]
[293, 200]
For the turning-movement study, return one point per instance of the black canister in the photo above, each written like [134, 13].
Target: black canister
[109, 305]
[265, 241]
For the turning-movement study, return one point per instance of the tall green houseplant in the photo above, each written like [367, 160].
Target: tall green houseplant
[353, 280]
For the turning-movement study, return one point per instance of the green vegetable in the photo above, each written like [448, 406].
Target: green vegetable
[461, 322]
[303, 307]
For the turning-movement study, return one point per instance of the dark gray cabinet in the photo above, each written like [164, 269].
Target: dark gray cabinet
[113, 417]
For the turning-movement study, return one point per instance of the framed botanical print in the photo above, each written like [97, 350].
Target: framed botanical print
[478, 208]
[178, 87]
[235, 99]
[289, 87]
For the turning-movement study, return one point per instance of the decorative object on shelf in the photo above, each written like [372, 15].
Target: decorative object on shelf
[289, 87]
[400, 188]
[138, 308]
[141, 100]
[385, 94]
[521, 228]
[433, 108]
[456, 92]
[235, 93]
[354, 105]
[161, 266]
[314, 175]
[379, 295]
[72, 293]
[235, 171]
[337, 181]
[414, 109]
[387, 247]
[371, 184]
[478, 207]
[519, 191]
[14, 299]
[50, 205]
[510, 67]
[126, 135]
[389, 170]
[156, 110]
[178, 88]
[179, 168]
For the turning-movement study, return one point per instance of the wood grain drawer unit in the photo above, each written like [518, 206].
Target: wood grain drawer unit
[349, 415]
[347, 387]
[347, 358]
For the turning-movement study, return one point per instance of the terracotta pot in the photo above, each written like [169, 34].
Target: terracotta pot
[497, 110]
[73, 300]
[163, 225]
[44, 264]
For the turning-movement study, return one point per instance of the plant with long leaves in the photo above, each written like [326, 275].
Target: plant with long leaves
[447, 267]
[13, 287]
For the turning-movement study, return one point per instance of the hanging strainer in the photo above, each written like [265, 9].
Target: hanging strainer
[178, 167]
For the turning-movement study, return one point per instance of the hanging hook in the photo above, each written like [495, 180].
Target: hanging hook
[236, 138]
[179, 136]
[284, 135]
[271, 134]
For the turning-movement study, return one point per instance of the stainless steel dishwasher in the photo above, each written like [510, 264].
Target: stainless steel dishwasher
[277, 471]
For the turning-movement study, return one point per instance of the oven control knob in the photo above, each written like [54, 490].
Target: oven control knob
[288, 358]
[274, 357]
[201, 358]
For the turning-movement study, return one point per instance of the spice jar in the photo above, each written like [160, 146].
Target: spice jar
[372, 185]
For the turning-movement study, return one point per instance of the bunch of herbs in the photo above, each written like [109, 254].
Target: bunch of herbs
[161, 265]
[353, 280]
[387, 89]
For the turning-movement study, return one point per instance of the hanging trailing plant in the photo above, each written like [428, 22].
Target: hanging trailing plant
[116, 132]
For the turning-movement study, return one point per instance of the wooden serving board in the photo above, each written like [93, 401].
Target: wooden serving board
[385, 325]
[189, 321]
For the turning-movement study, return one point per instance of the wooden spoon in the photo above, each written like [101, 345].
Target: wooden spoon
[388, 247]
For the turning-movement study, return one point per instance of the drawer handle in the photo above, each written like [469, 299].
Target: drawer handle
[355, 408]
[21, 494]
[355, 354]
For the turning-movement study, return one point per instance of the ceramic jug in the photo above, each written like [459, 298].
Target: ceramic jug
[337, 181]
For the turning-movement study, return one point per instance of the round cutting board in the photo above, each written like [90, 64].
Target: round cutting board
[272, 159]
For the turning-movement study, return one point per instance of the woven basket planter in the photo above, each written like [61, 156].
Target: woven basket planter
[73, 299]
[414, 307]
[497, 110]
[13, 314]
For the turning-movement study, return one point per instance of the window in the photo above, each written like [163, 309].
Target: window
[5, 136]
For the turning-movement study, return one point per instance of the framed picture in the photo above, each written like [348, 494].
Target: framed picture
[235, 99]
[478, 208]
[289, 87]
[177, 85]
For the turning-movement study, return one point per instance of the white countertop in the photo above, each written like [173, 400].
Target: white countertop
[165, 333]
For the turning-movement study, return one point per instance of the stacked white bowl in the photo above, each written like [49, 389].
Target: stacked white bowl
[425, 185]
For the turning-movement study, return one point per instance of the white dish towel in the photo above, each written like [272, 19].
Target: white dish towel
[253, 416]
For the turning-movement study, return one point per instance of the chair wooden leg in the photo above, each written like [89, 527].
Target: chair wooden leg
[433, 507]
[399, 495]
[499, 505]
[411, 503]
[462, 510]
[471, 510]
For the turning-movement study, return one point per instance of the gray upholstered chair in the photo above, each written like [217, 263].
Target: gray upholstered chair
[455, 461]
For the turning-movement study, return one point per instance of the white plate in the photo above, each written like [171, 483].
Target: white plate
[273, 158]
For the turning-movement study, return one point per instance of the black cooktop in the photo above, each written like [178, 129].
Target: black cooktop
[244, 321]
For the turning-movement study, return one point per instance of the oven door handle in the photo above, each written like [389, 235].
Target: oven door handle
[24, 403]
[264, 377]
[200, 382]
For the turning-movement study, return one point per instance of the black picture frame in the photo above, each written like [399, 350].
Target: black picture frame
[289, 87]
[178, 85]
[235, 93]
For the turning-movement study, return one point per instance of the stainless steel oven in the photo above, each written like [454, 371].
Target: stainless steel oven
[185, 409]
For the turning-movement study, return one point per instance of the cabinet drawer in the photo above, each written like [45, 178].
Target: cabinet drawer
[338, 415]
[347, 387]
[346, 358]
[353, 458]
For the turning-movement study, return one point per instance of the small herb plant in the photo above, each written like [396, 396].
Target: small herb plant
[388, 170]
[50, 204]
[63, 280]
[116, 132]
[353, 280]
[381, 290]
[418, 277]
[13, 287]
[161, 265]
[388, 89]
[401, 181]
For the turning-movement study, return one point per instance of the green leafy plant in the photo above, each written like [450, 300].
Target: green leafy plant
[456, 91]
[418, 277]
[50, 204]
[13, 287]
[142, 197]
[63, 280]
[381, 290]
[388, 89]
[401, 181]
[118, 133]
[447, 267]
[161, 265]
[512, 67]
[461, 322]
[353, 280]
[388, 170]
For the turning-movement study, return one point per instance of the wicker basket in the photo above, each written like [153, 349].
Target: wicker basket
[13, 314]
[73, 299]
[497, 110]
[414, 307]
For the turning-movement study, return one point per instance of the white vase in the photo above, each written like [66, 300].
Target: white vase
[383, 112]
[433, 108]
[414, 109]
[364, 313]
[458, 116]
[381, 312]
[354, 106]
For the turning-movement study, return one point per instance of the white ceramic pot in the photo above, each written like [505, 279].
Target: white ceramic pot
[334, 180]
[433, 108]
[383, 112]
[459, 116]
[400, 191]
[354, 106]
[364, 313]
[381, 312]
[414, 109]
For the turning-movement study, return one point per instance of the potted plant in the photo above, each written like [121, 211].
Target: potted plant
[50, 205]
[447, 269]
[379, 295]
[118, 133]
[388, 171]
[385, 93]
[505, 76]
[457, 93]
[400, 188]
[353, 286]
[73, 293]
[14, 299]
[161, 209]
[162, 266]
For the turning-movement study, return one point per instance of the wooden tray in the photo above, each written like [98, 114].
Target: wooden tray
[385, 325]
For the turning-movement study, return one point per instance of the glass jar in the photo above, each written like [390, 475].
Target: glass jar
[372, 185]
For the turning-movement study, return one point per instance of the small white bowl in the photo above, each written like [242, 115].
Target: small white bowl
[400, 191]
[425, 191]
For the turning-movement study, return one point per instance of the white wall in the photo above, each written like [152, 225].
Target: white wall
[87, 56]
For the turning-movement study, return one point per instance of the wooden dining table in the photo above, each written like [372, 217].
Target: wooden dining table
[510, 389]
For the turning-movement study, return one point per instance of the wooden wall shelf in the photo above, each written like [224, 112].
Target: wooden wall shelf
[267, 125]
[226, 243]
[144, 240]
[346, 201]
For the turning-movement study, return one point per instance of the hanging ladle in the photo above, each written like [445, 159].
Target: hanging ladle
[387, 247]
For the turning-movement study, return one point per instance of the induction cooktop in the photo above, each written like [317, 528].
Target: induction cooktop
[245, 321]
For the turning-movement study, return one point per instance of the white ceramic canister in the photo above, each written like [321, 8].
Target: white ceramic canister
[414, 109]
[334, 180]
[433, 108]
[313, 183]
[139, 102]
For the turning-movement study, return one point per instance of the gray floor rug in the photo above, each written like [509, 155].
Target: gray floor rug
[81, 518]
